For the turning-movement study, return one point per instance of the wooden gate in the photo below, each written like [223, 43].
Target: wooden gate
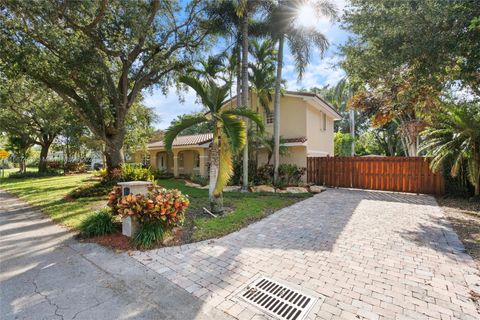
[403, 174]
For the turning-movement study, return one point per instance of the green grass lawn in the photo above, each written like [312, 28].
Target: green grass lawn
[48, 194]
[244, 209]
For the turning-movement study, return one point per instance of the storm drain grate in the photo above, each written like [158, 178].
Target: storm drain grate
[277, 299]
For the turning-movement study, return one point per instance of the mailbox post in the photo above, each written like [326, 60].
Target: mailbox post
[130, 225]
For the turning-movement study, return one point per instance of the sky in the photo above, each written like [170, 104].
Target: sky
[320, 72]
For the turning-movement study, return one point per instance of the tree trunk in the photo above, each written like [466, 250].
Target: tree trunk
[216, 202]
[42, 164]
[114, 151]
[245, 93]
[239, 76]
[276, 111]
[476, 170]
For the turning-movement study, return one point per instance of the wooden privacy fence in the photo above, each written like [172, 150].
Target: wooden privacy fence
[403, 174]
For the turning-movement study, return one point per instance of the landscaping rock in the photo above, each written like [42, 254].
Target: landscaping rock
[192, 185]
[231, 189]
[317, 189]
[296, 190]
[263, 188]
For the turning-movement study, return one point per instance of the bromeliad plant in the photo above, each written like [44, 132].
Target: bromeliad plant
[229, 133]
[159, 204]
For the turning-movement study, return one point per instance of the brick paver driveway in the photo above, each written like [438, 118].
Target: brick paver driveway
[365, 254]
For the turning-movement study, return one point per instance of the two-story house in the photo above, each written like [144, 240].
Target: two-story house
[306, 126]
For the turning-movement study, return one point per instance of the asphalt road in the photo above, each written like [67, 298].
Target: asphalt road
[46, 274]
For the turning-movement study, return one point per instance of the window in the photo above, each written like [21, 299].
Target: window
[197, 160]
[324, 121]
[269, 118]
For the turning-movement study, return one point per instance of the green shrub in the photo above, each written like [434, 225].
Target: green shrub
[264, 175]
[149, 234]
[290, 174]
[201, 180]
[136, 172]
[100, 223]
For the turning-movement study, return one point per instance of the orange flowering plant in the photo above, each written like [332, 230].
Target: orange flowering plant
[158, 204]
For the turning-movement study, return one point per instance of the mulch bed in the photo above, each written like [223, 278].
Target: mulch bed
[464, 215]
[116, 241]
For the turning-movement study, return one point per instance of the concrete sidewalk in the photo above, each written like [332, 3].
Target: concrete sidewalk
[46, 274]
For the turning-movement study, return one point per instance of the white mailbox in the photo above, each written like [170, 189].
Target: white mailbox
[130, 225]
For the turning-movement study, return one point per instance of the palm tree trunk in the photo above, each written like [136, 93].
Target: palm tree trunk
[276, 111]
[245, 92]
[239, 76]
[216, 202]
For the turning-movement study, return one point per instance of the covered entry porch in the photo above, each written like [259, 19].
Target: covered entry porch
[189, 155]
[180, 162]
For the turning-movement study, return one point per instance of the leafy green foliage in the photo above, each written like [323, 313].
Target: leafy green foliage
[290, 174]
[30, 110]
[98, 224]
[139, 128]
[203, 127]
[455, 135]
[99, 56]
[342, 144]
[382, 29]
[149, 234]
[201, 180]
[136, 172]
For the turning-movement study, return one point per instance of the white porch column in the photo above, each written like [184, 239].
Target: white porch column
[175, 163]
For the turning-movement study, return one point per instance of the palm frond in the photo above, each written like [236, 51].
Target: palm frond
[249, 114]
[225, 170]
[174, 130]
[218, 94]
[198, 87]
[236, 131]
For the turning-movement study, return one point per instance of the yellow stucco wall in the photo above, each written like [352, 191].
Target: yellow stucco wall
[319, 140]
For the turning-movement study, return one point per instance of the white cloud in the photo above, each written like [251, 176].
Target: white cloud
[325, 72]
[169, 106]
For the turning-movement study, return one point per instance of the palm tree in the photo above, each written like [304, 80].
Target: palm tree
[262, 72]
[232, 18]
[455, 135]
[229, 133]
[212, 67]
[283, 26]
